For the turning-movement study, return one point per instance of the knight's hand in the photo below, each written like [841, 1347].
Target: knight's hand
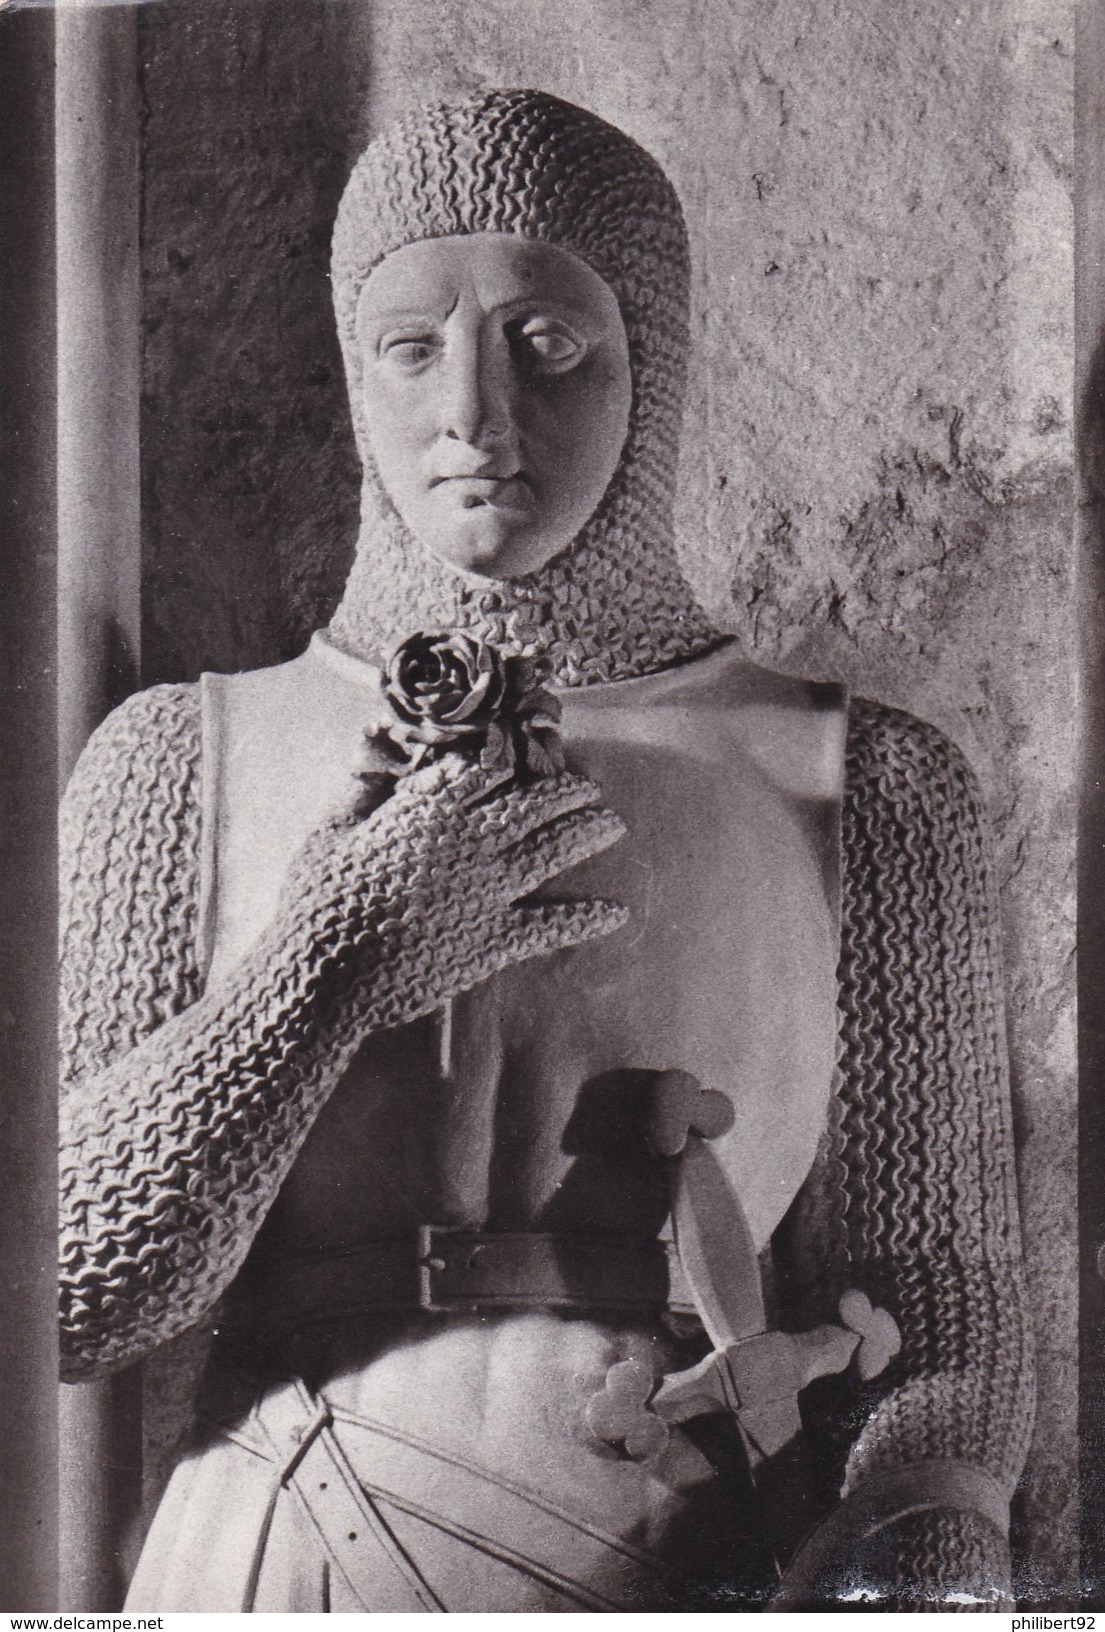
[430, 893]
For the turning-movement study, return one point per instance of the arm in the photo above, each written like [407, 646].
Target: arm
[129, 846]
[920, 1178]
[185, 1111]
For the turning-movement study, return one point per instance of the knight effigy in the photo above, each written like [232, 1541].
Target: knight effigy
[561, 1061]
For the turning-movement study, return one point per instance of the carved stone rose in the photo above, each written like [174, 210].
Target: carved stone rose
[451, 691]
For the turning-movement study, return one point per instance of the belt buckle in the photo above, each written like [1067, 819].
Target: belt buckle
[433, 1267]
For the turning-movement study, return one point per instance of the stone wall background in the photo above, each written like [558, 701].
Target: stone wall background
[878, 449]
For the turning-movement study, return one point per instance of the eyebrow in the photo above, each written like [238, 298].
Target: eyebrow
[424, 314]
[563, 302]
[401, 314]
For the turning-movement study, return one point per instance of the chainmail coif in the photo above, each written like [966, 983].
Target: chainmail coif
[615, 603]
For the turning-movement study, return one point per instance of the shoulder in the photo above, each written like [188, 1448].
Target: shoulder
[915, 835]
[141, 763]
[129, 877]
[153, 723]
[154, 730]
[894, 757]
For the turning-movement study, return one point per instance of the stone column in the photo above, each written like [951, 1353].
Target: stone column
[28, 1341]
[99, 362]
[98, 405]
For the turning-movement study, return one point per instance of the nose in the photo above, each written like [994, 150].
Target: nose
[477, 401]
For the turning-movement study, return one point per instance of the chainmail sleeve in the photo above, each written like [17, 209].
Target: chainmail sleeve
[916, 1190]
[185, 1109]
[129, 849]
[129, 844]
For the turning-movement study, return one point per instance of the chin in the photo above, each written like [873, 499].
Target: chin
[494, 553]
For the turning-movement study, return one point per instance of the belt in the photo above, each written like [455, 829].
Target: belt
[457, 1271]
[351, 1528]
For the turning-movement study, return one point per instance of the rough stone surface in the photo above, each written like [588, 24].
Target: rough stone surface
[248, 459]
[877, 469]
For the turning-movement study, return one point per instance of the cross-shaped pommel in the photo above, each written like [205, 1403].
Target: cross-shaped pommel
[681, 1106]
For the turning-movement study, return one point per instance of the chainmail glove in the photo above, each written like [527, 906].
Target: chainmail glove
[172, 1155]
[433, 885]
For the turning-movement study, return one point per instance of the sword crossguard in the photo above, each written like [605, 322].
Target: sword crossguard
[759, 1378]
[759, 1370]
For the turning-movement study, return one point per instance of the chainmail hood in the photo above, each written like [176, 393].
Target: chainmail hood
[615, 602]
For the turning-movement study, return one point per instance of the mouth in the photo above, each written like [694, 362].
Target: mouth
[499, 492]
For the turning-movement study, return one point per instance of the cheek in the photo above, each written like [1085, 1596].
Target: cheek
[581, 424]
[394, 418]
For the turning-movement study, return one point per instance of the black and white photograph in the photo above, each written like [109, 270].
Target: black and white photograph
[554, 575]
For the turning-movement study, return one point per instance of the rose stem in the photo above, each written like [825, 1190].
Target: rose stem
[445, 1039]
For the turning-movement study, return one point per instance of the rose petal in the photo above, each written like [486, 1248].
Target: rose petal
[399, 705]
[475, 698]
[430, 731]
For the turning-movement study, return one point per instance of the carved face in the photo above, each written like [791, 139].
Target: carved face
[497, 393]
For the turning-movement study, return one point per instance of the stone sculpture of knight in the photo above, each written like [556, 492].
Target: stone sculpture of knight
[561, 1061]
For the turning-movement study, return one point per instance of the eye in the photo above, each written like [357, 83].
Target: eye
[408, 353]
[548, 347]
